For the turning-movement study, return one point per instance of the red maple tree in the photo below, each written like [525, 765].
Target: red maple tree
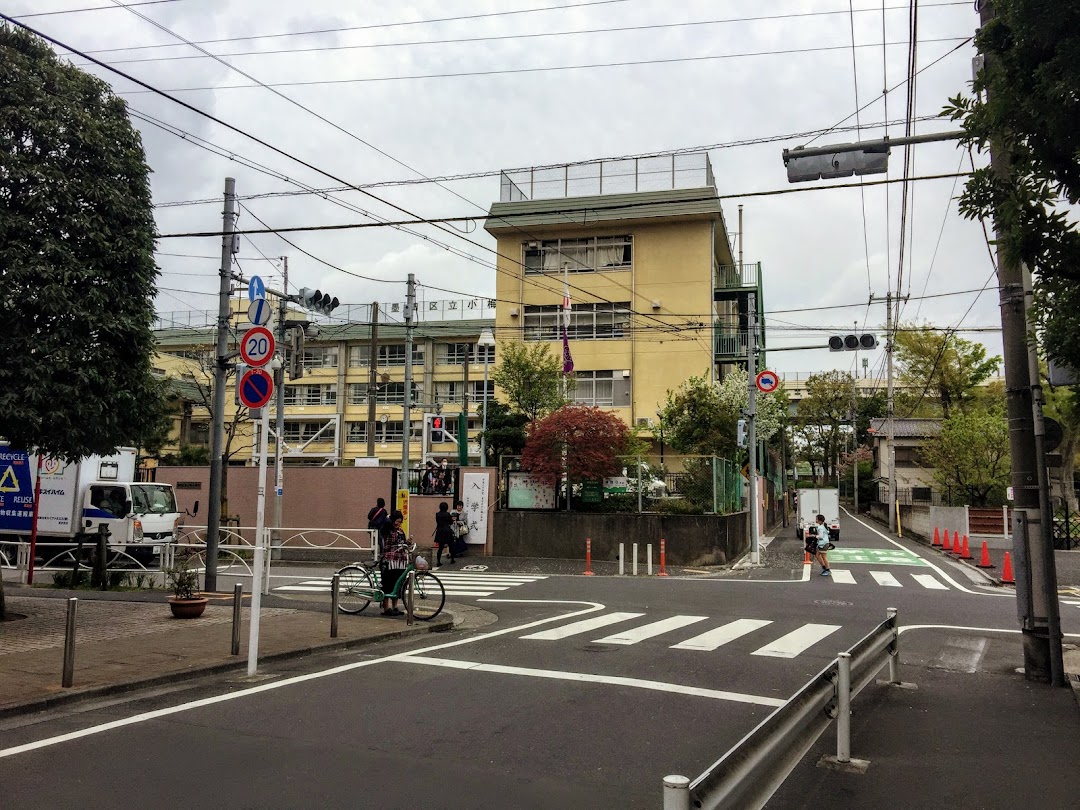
[593, 439]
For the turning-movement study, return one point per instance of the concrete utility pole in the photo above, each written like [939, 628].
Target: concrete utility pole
[279, 403]
[373, 378]
[1036, 574]
[890, 409]
[751, 418]
[410, 299]
[221, 359]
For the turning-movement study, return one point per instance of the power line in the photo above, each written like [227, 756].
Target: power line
[90, 8]
[858, 129]
[518, 71]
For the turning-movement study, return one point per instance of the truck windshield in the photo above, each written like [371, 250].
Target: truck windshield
[152, 499]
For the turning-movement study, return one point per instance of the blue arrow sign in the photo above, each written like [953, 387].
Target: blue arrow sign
[256, 289]
[256, 387]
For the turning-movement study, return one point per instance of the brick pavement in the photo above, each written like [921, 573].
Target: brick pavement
[124, 644]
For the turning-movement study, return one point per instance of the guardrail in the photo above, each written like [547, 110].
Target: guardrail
[748, 775]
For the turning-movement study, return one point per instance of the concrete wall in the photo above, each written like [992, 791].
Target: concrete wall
[914, 520]
[691, 539]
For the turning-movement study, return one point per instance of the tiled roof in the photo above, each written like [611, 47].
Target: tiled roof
[907, 428]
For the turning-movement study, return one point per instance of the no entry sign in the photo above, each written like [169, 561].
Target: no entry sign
[256, 388]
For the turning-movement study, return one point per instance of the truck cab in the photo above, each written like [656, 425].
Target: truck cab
[139, 516]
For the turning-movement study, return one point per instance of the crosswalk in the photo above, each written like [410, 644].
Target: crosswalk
[456, 583]
[887, 579]
[779, 644]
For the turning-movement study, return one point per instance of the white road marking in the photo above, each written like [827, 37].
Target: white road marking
[722, 635]
[584, 626]
[636, 634]
[843, 576]
[928, 581]
[583, 677]
[885, 578]
[797, 641]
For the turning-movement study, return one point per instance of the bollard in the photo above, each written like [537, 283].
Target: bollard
[894, 653]
[588, 557]
[335, 591]
[843, 707]
[410, 592]
[648, 559]
[622, 569]
[101, 574]
[237, 603]
[663, 558]
[69, 642]
[676, 793]
[633, 565]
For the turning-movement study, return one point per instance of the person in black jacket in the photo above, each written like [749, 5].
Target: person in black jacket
[379, 519]
[444, 532]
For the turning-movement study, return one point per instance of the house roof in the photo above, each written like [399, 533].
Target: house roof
[907, 428]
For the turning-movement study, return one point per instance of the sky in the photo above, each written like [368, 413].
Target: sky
[383, 106]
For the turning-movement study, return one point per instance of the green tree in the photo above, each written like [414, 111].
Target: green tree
[1063, 405]
[530, 378]
[940, 364]
[971, 457]
[587, 443]
[505, 434]
[830, 398]
[77, 270]
[1025, 101]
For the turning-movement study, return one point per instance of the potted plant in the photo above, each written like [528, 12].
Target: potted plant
[183, 582]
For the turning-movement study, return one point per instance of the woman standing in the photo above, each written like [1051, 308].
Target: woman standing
[444, 532]
[394, 561]
[461, 528]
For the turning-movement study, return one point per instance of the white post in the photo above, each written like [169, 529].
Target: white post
[648, 557]
[1004, 521]
[633, 565]
[843, 707]
[622, 561]
[260, 548]
[676, 793]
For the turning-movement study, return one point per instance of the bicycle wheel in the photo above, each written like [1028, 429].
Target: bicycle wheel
[355, 589]
[428, 596]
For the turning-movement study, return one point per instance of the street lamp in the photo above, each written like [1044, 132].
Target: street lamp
[487, 340]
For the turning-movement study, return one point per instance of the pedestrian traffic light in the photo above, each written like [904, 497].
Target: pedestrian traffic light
[852, 343]
[435, 429]
[317, 301]
[740, 433]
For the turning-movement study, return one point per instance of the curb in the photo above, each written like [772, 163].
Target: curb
[89, 693]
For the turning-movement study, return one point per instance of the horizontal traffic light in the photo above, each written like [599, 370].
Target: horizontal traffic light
[317, 301]
[851, 343]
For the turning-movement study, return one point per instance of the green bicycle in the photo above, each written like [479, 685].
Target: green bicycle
[359, 585]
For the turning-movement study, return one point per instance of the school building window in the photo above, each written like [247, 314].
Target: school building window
[587, 255]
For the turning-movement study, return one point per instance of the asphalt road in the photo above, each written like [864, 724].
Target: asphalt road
[584, 693]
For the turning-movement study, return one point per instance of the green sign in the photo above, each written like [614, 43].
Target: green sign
[592, 492]
[874, 556]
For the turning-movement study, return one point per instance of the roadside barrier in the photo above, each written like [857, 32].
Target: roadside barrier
[965, 553]
[588, 557]
[633, 566]
[937, 538]
[663, 558]
[947, 545]
[622, 560]
[749, 774]
[69, 643]
[1007, 572]
[237, 602]
[648, 559]
[984, 561]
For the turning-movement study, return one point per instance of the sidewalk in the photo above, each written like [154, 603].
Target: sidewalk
[122, 644]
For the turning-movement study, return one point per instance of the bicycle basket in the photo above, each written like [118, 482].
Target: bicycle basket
[420, 563]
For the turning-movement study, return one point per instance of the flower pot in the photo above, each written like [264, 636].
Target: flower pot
[188, 608]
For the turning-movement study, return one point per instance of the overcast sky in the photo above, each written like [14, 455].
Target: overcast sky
[811, 244]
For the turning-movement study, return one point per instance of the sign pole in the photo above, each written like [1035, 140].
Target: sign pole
[260, 548]
[33, 526]
[751, 421]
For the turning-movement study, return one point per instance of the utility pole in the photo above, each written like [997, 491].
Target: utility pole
[373, 378]
[890, 408]
[410, 298]
[221, 359]
[1036, 576]
[279, 403]
[751, 417]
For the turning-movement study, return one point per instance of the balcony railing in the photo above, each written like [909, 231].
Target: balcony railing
[731, 344]
[737, 276]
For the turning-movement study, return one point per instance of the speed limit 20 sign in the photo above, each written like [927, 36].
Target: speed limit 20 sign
[257, 346]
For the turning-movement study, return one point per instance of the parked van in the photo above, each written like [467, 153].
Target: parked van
[814, 502]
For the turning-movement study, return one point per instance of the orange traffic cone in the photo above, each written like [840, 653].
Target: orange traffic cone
[966, 553]
[948, 542]
[937, 538]
[956, 549]
[984, 561]
[1007, 573]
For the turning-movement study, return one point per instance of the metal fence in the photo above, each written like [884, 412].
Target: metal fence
[435, 481]
[727, 487]
[1066, 529]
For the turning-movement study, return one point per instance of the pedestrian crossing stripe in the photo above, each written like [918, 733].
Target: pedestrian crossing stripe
[842, 576]
[875, 556]
[454, 583]
[786, 645]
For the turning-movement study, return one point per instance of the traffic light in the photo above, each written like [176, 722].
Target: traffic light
[848, 160]
[740, 433]
[852, 343]
[317, 301]
[436, 426]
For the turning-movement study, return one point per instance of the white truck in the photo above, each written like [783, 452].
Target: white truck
[78, 498]
[814, 502]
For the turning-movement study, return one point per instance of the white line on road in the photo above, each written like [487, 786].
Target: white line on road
[636, 634]
[583, 677]
[722, 635]
[843, 576]
[584, 626]
[885, 578]
[797, 641]
[928, 581]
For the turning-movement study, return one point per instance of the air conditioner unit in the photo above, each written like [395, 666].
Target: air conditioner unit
[643, 422]
[626, 374]
[513, 312]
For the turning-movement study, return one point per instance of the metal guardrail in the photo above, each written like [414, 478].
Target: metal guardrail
[750, 773]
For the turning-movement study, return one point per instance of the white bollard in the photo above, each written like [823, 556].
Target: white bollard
[622, 561]
[843, 707]
[676, 793]
[633, 565]
[648, 559]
